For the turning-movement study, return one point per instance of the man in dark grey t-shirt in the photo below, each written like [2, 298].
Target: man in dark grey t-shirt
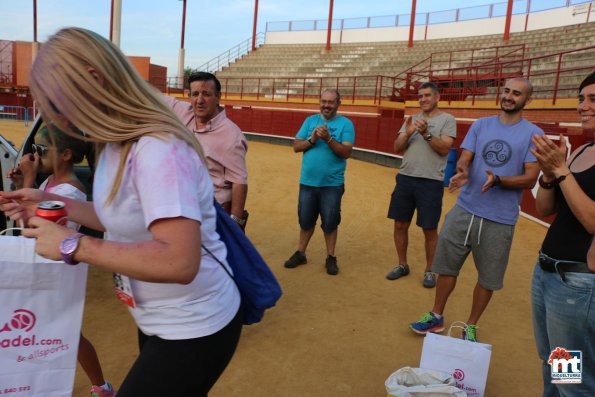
[426, 139]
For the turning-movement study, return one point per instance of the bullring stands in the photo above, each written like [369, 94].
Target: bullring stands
[394, 59]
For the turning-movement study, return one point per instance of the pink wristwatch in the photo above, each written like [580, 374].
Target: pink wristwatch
[68, 247]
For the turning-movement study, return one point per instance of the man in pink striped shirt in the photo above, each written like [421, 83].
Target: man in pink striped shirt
[222, 140]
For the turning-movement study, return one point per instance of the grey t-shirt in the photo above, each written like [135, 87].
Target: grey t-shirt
[420, 160]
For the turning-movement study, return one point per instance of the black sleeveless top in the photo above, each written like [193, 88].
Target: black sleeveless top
[566, 238]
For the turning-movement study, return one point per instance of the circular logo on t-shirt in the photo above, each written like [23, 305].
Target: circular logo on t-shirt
[496, 153]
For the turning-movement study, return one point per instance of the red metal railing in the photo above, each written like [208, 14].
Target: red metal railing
[307, 89]
[476, 59]
[554, 76]
[220, 61]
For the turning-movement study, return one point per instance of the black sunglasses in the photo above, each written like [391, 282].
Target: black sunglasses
[41, 150]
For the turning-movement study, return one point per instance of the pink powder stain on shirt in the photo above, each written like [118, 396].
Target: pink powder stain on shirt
[183, 166]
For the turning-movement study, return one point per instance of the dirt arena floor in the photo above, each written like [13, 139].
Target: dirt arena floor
[344, 335]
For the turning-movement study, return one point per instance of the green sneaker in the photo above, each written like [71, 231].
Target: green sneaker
[428, 323]
[470, 333]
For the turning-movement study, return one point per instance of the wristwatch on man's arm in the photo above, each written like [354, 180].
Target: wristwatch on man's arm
[240, 221]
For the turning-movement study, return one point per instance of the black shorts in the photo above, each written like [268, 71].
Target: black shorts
[413, 193]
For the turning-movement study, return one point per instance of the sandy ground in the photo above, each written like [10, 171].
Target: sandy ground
[342, 335]
[14, 131]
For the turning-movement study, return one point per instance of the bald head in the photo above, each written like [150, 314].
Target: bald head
[527, 83]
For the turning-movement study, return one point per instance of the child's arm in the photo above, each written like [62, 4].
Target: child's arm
[26, 172]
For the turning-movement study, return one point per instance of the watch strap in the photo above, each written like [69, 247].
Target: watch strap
[562, 178]
[552, 184]
[238, 220]
[544, 184]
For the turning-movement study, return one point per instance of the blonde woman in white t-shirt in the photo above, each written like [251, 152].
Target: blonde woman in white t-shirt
[153, 196]
[56, 153]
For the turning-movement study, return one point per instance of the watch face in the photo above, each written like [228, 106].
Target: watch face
[70, 244]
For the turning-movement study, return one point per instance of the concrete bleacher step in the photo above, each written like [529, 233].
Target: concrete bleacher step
[391, 58]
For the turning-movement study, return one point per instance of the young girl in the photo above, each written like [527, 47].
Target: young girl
[56, 153]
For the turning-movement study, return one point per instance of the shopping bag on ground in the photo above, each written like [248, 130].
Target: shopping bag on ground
[420, 382]
[40, 321]
[468, 362]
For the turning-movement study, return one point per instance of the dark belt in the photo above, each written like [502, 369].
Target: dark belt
[548, 264]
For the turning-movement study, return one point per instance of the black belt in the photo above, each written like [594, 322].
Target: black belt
[561, 267]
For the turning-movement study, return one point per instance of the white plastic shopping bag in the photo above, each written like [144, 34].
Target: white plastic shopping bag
[468, 362]
[40, 321]
[419, 382]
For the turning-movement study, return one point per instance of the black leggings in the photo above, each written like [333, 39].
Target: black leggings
[184, 368]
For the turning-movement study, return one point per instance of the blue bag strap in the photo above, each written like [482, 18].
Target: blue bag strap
[218, 207]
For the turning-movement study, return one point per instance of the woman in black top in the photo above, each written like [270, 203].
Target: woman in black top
[563, 288]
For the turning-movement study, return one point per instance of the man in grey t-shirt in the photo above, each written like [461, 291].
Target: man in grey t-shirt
[426, 139]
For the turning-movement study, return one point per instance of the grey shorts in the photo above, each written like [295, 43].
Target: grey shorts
[489, 241]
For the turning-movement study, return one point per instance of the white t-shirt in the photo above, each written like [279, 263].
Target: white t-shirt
[165, 178]
[66, 190]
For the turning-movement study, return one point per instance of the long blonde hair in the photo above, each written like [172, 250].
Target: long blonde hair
[81, 79]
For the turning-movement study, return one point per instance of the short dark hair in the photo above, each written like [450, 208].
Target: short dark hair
[204, 76]
[590, 79]
[430, 85]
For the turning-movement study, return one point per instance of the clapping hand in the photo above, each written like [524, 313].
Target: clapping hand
[490, 181]
[322, 132]
[421, 125]
[410, 126]
[460, 179]
[551, 156]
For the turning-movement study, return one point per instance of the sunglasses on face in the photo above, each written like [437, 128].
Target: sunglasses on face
[41, 150]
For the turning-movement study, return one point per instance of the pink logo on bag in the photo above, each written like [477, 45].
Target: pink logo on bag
[459, 374]
[22, 319]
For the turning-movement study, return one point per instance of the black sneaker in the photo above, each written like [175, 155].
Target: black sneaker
[298, 258]
[331, 265]
[398, 272]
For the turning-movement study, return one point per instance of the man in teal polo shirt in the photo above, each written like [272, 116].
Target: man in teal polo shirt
[326, 139]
